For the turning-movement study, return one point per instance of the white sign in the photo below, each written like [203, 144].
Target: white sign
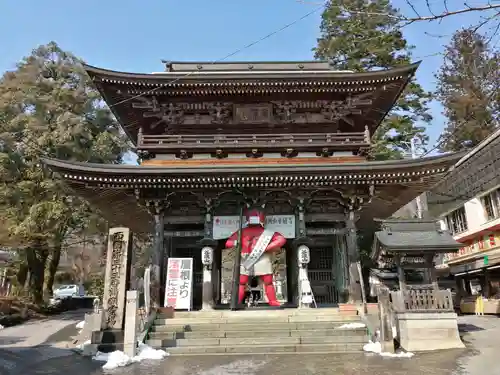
[179, 286]
[225, 226]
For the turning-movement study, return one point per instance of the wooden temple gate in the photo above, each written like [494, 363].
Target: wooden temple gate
[294, 136]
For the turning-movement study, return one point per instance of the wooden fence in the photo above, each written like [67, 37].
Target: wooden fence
[422, 300]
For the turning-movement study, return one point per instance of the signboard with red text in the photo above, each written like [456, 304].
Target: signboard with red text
[179, 285]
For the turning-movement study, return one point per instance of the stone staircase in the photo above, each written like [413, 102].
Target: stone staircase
[258, 332]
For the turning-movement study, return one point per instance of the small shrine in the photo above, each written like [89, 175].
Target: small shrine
[420, 316]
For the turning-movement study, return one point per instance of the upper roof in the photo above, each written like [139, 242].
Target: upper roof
[185, 84]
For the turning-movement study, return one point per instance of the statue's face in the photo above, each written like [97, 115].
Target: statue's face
[255, 217]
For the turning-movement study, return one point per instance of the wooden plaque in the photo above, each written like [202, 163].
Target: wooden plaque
[253, 113]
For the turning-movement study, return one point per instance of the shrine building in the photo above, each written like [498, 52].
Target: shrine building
[294, 137]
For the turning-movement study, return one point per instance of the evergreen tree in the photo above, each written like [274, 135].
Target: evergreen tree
[49, 109]
[469, 89]
[370, 38]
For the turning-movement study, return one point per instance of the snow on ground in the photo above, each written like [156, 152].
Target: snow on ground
[1, 326]
[376, 347]
[119, 359]
[80, 325]
[352, 325]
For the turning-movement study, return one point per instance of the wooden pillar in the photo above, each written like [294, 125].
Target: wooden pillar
[459, 282]
[158, 257]
[401, 273]
[208, 247]
[355, 295]
[431, 270]
[487, 284]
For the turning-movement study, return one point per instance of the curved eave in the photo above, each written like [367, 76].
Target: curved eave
[112, 187]
[128, 77]
[384, 169]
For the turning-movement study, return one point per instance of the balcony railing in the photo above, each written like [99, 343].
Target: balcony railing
[249, 141]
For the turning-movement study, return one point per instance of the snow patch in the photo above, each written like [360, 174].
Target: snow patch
[1, 327]
[83, 345]
[120, 359]
[81, 325]
[376, 347]
[352, 325]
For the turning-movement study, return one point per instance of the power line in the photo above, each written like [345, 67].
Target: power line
[255, 42]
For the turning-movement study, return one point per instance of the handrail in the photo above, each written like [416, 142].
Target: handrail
[262, 140]
[422, 300]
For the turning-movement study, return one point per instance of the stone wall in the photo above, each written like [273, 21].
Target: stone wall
[428, 331]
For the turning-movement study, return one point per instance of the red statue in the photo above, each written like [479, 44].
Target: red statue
[257, 245]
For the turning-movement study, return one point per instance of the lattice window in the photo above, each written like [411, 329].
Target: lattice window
[456, 221]
[491, 205]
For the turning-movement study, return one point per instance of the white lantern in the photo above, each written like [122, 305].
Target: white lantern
[304, 256]
[207, 255]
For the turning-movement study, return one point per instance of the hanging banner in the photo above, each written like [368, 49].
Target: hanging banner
[179, 285]
[225, 226]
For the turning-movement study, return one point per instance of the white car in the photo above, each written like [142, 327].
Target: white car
[66, 291]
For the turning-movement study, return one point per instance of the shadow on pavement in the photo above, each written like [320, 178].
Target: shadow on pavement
[464, 327]
[10, 340]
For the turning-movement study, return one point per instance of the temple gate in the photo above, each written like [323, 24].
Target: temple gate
[293, 137]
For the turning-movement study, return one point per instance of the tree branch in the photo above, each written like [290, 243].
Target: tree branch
[467, 9]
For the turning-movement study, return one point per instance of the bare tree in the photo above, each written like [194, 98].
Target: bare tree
[433, 11]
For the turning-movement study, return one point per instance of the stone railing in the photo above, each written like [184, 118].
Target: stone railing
[422, 299]
[387, 319]
[145, 311]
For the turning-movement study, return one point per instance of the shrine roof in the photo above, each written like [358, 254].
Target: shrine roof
[413, 235]
[114, 188]
[127, 94]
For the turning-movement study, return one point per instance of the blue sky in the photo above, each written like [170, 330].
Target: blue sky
[136, 35]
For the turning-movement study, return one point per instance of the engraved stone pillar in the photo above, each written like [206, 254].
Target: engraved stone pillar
[353, 258]
[207, 257]
[130, 332]
[117, 277]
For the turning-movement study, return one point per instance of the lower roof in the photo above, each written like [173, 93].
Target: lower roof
[113, 188]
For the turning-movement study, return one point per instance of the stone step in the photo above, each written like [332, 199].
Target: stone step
[269, 340]
[258, 320]
[169, 334]
[267, 349]
[173, 326]
[259, 313]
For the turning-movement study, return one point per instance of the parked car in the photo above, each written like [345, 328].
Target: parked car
[66, 291]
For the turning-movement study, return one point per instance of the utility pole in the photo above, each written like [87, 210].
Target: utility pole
[415, 156]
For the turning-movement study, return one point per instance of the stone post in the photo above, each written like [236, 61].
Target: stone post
[207, 258]
[117, 277]
[130, 333]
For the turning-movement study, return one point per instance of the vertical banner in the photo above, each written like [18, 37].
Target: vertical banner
[179, 285]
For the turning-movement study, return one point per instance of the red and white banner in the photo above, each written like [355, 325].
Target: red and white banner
[179, 285]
